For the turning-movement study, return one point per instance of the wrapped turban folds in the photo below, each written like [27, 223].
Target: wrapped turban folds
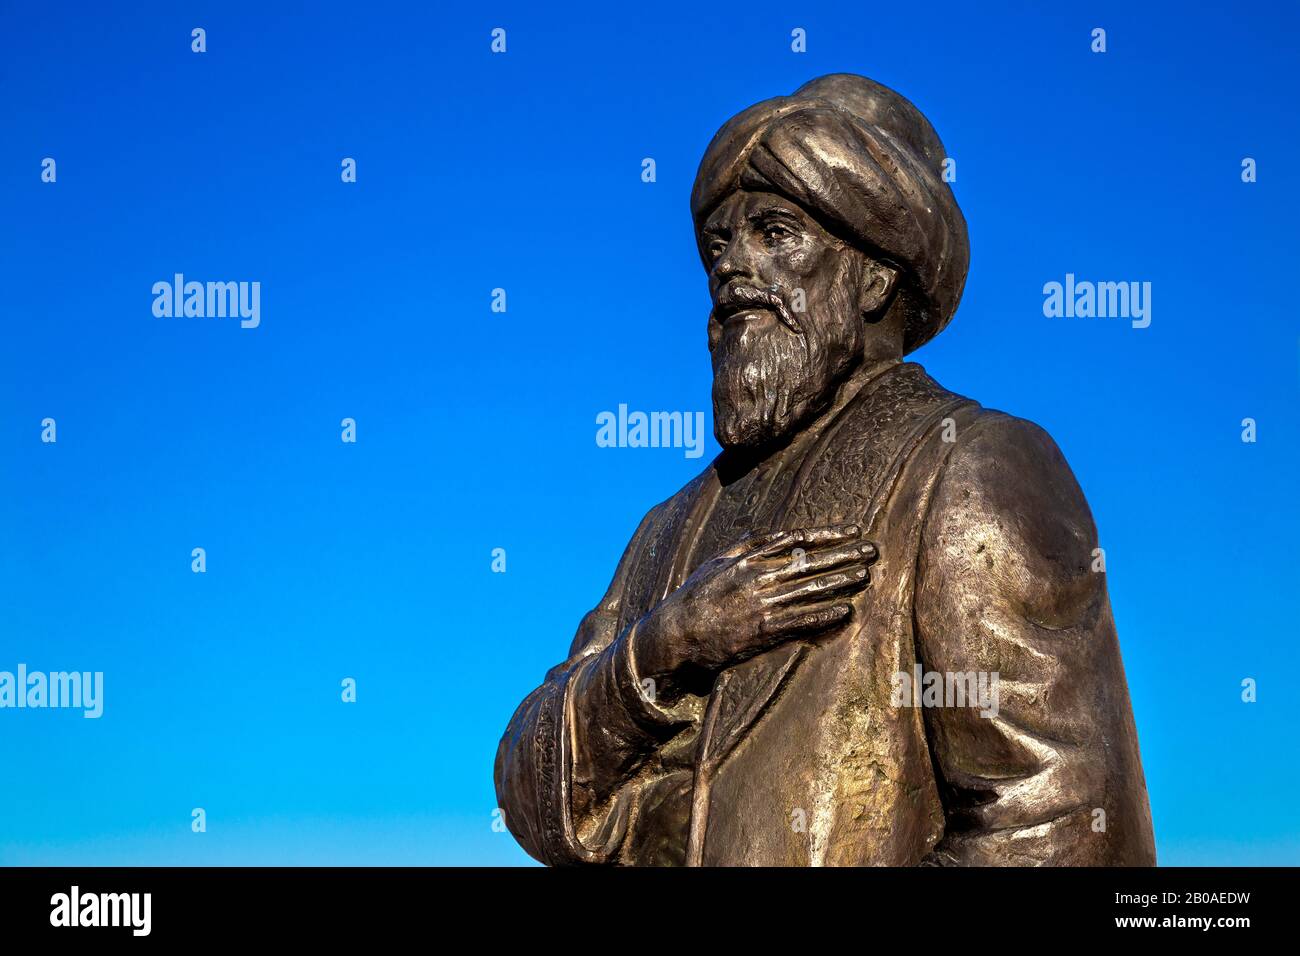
[868, 166]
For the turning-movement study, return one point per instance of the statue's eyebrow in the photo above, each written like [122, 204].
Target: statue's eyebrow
[775, 212]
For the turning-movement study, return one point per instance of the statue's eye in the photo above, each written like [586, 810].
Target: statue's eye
[716, 248]
[775, 232]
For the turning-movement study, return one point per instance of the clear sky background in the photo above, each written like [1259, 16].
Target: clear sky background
[476, 430]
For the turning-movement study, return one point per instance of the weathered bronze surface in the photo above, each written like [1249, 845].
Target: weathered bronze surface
[736, 697]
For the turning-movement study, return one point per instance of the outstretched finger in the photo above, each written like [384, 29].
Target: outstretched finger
[755, 543]
[800, 563]
[819, 588]
[807, 537]
[788, 622]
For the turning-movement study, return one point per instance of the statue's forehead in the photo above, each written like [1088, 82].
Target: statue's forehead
[745, 202]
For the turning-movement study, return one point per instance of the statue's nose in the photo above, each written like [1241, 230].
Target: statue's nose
[730, 265]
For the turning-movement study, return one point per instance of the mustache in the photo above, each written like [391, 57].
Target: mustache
[733, 298]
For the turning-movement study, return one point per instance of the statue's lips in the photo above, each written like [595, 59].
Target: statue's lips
[742, 313]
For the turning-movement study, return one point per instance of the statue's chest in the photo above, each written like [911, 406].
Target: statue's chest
[703, 524]
[754, 503]
[837, 476]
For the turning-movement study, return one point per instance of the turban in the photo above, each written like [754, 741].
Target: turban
[867, 165]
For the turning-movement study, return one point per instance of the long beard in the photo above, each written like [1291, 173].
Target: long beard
[768, 381]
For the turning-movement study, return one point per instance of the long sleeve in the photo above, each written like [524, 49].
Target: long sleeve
[1008, 586]
[582, 749]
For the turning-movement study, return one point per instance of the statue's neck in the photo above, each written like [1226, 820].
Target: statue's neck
[851, 386]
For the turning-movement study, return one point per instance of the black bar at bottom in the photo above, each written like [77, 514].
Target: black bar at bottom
[547, 907]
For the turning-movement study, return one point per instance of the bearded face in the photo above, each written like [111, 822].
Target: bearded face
[786, 328]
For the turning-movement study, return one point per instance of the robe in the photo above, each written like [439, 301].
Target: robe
[805, 754]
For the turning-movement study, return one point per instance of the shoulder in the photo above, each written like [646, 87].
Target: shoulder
[674, 509]
[658, 527]
[1007, 509]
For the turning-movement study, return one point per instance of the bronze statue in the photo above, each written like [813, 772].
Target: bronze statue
[749, 690]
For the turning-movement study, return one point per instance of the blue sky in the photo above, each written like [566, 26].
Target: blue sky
[476, 430]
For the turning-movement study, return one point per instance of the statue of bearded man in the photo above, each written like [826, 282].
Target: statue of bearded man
[870, 632]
